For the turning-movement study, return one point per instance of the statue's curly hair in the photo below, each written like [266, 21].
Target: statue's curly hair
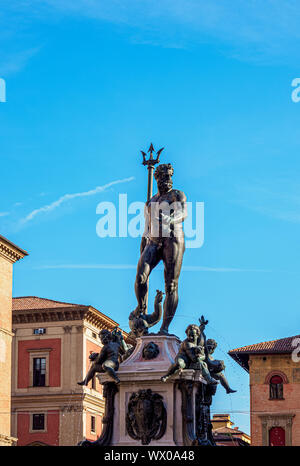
[104, 331]
[193, 326]
[163, 168]
[211, 342]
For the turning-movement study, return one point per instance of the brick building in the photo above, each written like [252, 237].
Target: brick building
[51, 348]
[9, 254]
[227, 436]
[274, 370]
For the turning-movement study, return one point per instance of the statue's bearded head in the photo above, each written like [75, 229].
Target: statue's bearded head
[163, 175]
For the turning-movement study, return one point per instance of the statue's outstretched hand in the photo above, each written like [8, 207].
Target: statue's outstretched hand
[117, 333]
[158, 297]
[203, 323]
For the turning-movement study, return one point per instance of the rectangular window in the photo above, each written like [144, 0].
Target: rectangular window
[94, 383]
[93, 424]
[39, 331]
[38, 421]
[276, 388]
[39, 372]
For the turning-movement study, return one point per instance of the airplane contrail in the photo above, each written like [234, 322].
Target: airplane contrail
[68, 197]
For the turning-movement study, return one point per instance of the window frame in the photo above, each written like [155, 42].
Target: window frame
[93, 421]
[34, 413]
[37, 373]
[34, 354]
[94, 383]
[276, 388]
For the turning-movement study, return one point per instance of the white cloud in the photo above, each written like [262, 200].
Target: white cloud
[89, 266]
[198, 268]
[251, 30]
[16, 61]
[187, 268]
[278, 198]
[269, 28]
[69, 197]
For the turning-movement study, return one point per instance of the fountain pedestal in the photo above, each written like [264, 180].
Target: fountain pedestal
[143, 410]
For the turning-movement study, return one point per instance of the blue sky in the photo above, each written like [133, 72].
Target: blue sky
[89, 85]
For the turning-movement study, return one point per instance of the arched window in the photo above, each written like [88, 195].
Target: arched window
[37, 444]
[276, 387]
[276, 437]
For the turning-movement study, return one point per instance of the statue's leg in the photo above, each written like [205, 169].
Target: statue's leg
[109, 367]
[172, 257]
[176, 367]
[206, 374]
[94, 368]
[149, 259]
[224, 382]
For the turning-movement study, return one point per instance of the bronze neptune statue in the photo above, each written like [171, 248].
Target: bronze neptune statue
[163, 240]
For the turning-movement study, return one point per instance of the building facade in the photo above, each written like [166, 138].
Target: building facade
[227, 436]
[274, 370]
[51, 348]
[9, 254]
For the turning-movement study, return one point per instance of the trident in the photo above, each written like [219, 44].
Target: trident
[151, 162]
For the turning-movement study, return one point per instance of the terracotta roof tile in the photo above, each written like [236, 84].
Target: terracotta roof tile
[283, 345]
[227, 430]
[33, 302]
[25, 303]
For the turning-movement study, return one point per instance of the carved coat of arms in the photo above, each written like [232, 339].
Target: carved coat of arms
[146, 417]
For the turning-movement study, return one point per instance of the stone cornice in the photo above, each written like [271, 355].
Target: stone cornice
[279, 415]
[21, 399]
[24, 401]
[39, 350]
[62, 314]
[93, 401]
[25, 316]
[10, 251]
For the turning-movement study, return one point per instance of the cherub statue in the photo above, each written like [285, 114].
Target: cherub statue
[191, 354]
[140, 322]
[216, 366]
[108, 358]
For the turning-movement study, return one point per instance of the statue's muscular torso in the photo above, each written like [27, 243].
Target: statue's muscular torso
[174, 200]
[110, 351]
